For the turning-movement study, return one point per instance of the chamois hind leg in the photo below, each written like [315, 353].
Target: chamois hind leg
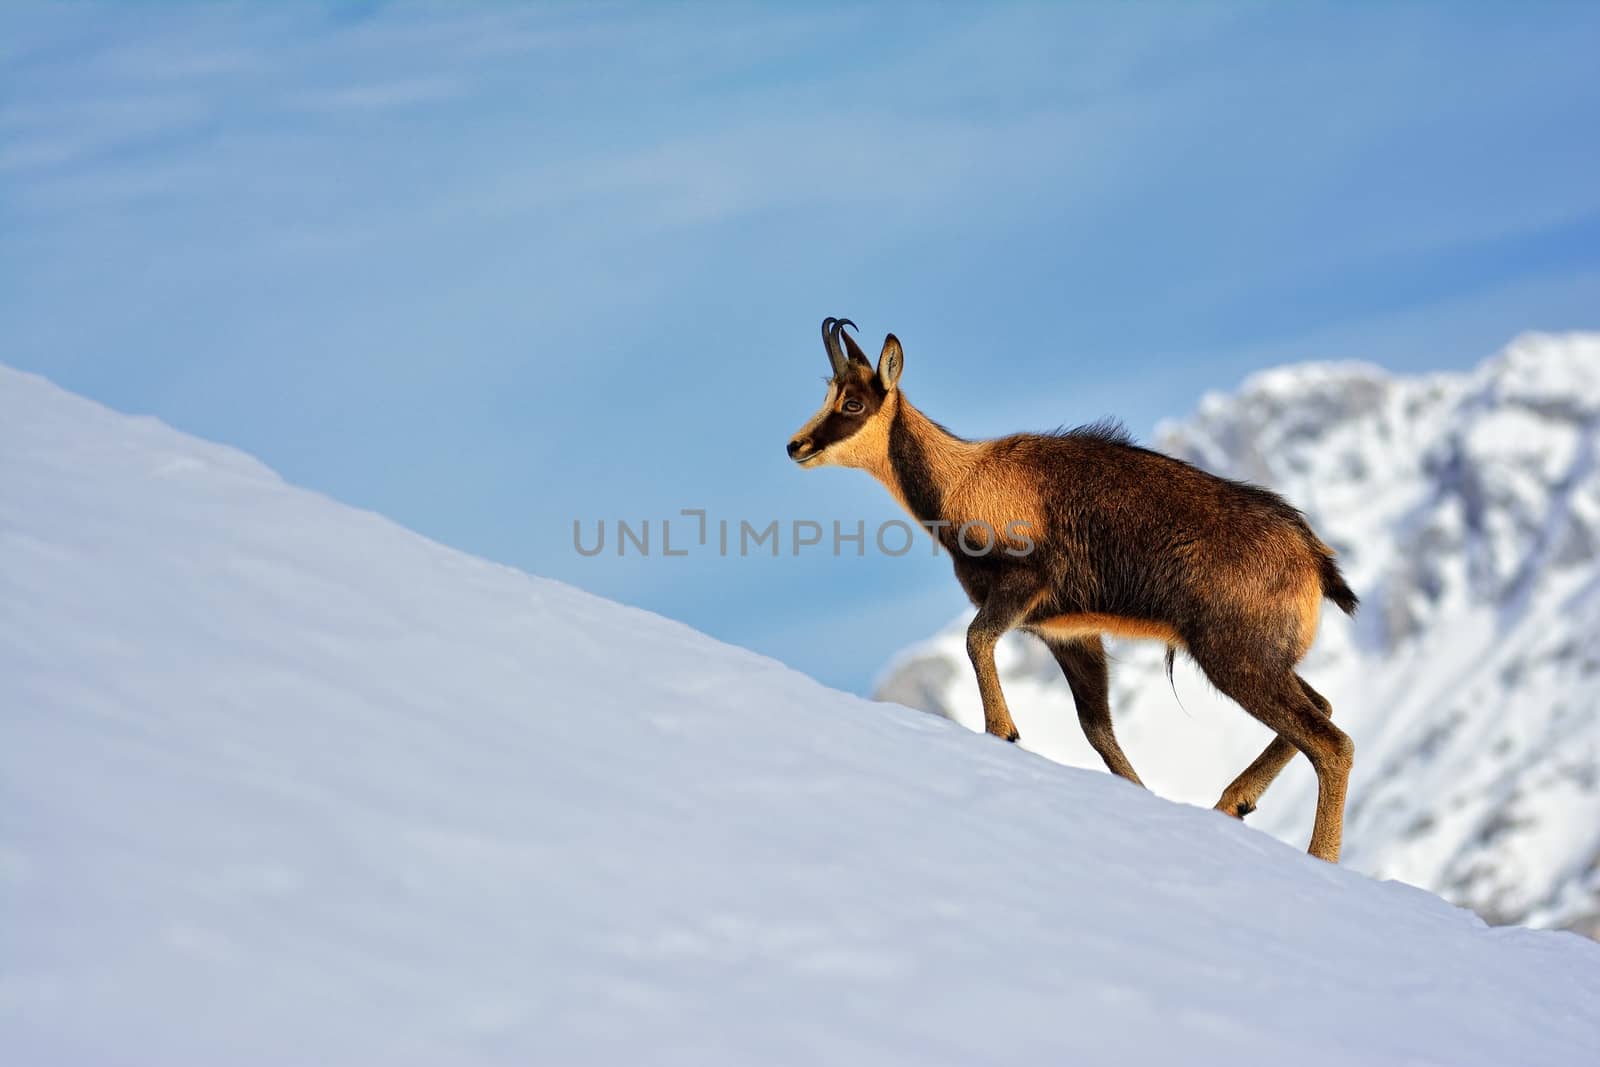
[1273, 694]
[1003, 607]
[1241, 796]
[1083, 661]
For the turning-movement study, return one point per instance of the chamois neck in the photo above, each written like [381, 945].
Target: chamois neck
[925, 461]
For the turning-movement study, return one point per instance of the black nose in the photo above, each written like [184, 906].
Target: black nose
[795, 446]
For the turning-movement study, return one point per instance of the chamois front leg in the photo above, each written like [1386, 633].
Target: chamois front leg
[1001, 611]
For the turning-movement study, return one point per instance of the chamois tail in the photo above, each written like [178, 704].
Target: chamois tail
[1334, 587]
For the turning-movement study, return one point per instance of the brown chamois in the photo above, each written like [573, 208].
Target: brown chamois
[1090, 534]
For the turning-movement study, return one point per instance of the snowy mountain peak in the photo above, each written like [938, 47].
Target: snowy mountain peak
[1466, 508]
[1553, 374]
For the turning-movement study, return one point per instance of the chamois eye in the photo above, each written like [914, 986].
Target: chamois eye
[854, 407]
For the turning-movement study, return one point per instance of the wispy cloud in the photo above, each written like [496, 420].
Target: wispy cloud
[379, 95]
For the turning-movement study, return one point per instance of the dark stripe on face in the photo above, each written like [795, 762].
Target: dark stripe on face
[837, 427]
[910, 466]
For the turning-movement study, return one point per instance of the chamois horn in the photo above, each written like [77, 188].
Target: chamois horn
[831, 328]
[856, 355]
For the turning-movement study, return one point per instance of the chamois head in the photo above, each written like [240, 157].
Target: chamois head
[851, 425]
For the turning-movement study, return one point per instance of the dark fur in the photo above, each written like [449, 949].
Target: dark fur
[911, 466]
[1139, 534]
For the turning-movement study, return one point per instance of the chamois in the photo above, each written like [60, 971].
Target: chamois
[1089, 534]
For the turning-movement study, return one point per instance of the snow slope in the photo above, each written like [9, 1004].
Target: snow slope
[1467, 511]
[281, 782]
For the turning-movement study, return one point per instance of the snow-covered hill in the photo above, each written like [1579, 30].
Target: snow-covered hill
[1467, 512]
[281, 782]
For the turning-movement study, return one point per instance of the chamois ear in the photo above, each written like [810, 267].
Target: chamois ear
[889, 363]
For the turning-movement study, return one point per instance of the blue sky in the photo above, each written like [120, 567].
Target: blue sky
[490, 270]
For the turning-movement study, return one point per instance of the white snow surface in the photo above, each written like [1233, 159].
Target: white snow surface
[281, 782]
[1466, 509]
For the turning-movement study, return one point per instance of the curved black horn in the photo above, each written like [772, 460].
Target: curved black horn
[856, 355]
[830, 341]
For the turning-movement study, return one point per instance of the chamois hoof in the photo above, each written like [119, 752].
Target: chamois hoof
[1237, 810]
